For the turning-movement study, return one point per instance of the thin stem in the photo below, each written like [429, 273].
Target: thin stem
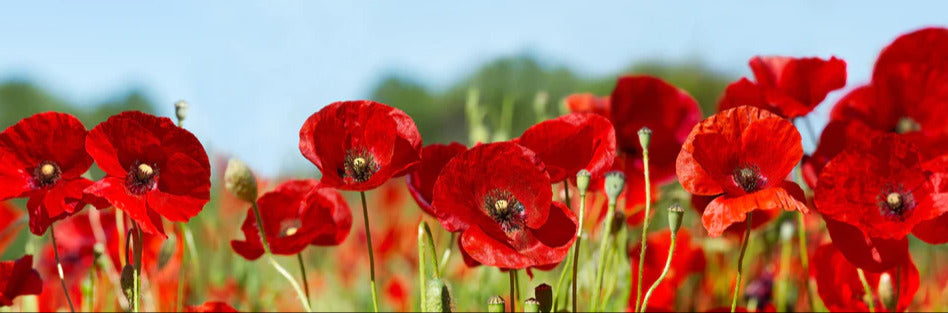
[137, 287]
[783, 277]
[87, 303]
[566, 194]
[266, 248]
[579, 239]
[865, 286]
[668, 261]
[179, 301]
[59, 267]
[603, 246]
[368, 240]
[446, 256]
[562, 287]
[804, 258]
[513, 290]
[299, 257]
[648, 207]
[740, 262]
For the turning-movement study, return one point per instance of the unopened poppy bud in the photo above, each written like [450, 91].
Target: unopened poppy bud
[240, 180]
[128, 281]
[615, 183]
[531, 305]
[786, 231]
[438, 298]
[181, 110]
[544, 294]
[582, 181]
[645, 137]
[618, 222]
[887, 291]
[675, 214]
[496, 304]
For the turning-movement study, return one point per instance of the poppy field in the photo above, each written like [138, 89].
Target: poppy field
[631, 201]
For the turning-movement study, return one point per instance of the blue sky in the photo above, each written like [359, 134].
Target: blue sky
[254, 71]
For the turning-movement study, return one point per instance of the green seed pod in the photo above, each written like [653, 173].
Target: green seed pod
[645, 137]
[438, 298]
[240, 181]
[496, 304]
[582, 181]
[531, 305]
[615, 183]
[675, 214]
[181, 110]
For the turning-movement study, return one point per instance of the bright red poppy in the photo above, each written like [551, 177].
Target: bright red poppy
[42, 158]
[210, 306]
[742, 155]
[688, 260]
[358, 145]
[571, 143]
[421, 180]
[588, 103]
[18, 278]
[298, 213]
[499, 197]
[153, 169]
[839, 286]
[789, 87]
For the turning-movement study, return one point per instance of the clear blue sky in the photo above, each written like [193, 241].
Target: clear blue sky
[254, 71]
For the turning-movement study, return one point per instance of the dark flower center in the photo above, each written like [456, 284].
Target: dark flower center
[505, 209]
[359, 165]
[142, 178]
[895, 203]
[906, 125]
[46, 174]
[290, 227]
[748, 177]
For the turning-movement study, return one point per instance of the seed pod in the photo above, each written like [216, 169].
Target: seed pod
[582, 181]
[496, 304]
[675, 214]
[615, 183]
[645, 137]
[531, 305]
[181, 110]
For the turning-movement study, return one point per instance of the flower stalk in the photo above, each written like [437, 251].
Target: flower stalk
[582, 183]
[675, 215]
[615, 183]
[368, 240]
[740, 263]
[59, 267]
[870, 301]
[645, 137]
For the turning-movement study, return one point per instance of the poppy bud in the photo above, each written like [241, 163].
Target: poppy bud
[582, 181]
[128, 281]
[531, 305]
[496, 305]
[675, 214]
[615, 182]
[645, 137]
[887, 291]
[618, 222]
[544, 294]
[438, 298]
[181, 110]
[240, 180]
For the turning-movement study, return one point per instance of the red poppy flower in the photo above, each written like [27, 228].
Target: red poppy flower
[421, 180]
[18, 278]
[498, 196]
[571, 143]
[10, 224]
[296, 214]
[645, 101]
[153, 169]
[744, 155]
[42, 157]
[790, 87]
[588, 103]
[210, 306]
[838, 283]
[688, 260]
[358, 145]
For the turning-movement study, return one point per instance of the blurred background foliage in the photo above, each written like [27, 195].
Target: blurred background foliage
[22, 98]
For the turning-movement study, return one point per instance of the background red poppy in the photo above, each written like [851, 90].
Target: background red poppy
[789, 87]
[571, 143]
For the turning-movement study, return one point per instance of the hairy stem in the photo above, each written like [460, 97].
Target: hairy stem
[59, 267]
[740, 263]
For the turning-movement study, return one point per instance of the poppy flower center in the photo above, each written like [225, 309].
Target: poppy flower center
[906, 125]
[359, 165]
[46, 174]
[748, 177]
[142, 178]
[290, 227]
[505, 209]
[895, 204]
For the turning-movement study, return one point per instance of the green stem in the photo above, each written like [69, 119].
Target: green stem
[648, 207]
[561, 284]
[513, 290]
[783, 277]
[368, 240]
[740, 262]
[87, 303]
[865, 286]
[668, 261]
[603, 247]
[137, 286]
[179, 301]
[299, 257]
[273, 262]
[579, 239]
[804, 258]
[446, 256]
[59, 267]
[422, 283]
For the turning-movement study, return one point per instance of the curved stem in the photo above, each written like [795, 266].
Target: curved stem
[299, 257]
[648, 207]
[671, 252]
[368, 240]
[579, 239]
[273, 262]
[59, 267]
[865, 286]
[603, 246]
[740, 263]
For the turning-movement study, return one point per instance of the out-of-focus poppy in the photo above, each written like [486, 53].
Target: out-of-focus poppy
[588, 103]
[18, 278]
[571, 143]
[10, 224]
[421, 180]
[688, 260]
[839, 286]
[210, 306]
[789, 87]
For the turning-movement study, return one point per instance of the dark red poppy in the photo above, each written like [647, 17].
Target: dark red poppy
[153, 169]
[358, 145]
[18, 278]
[10, 224]
[421, 180]
[789, 87]
[210, 306]
[42, 157]
[688, 260]
[839, 286]
[571, 143]
[588, 103]
[296, 214]
[744, 155]
[498, 196]
[645, 101]
[761, 217]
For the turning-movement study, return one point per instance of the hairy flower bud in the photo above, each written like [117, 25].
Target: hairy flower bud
[128, 281]
[240, 180]
[544, 294]
[438, 298]
[887, 291]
